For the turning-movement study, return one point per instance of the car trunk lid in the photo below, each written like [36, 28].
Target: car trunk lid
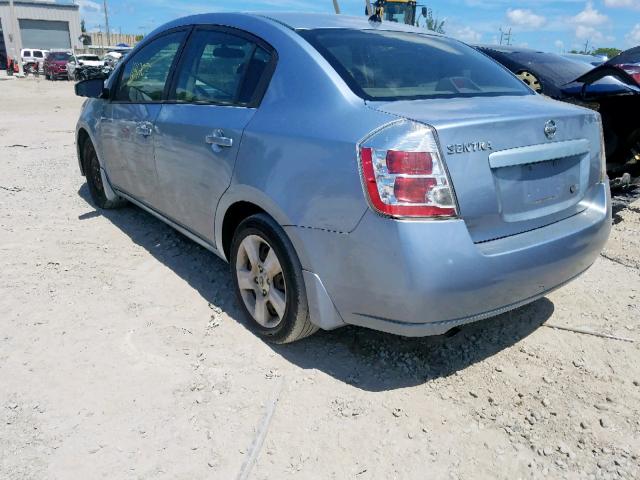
[516, 163]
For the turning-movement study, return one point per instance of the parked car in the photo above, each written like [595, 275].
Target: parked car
[82, 60]
[345, 181]
[607, 89]
[34, 56]
[55, 65]
[629, 61]
[111, 59]
[593, 60]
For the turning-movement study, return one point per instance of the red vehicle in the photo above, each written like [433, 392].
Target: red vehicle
[12, 66]
[55, 65]
[629, 61]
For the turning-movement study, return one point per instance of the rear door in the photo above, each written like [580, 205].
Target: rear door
[128, 121]
[217, 87]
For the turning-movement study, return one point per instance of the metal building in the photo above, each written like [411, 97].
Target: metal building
[46, 25]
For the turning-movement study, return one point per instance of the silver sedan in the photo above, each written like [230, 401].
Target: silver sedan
[350, 172]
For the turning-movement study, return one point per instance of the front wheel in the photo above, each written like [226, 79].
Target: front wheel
[267, 277]
[94, 179]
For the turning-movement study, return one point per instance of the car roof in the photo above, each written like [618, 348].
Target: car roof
[298, 21]
[508, 49]
[308, 21]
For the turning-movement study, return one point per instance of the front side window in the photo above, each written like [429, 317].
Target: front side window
[390, 65]
[26, 53]
[145, 74]
[220, 68]
[37, 54]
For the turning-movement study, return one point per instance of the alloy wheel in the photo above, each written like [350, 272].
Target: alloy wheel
[261, 281]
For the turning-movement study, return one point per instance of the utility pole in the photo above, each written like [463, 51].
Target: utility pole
[106, 22]
[336, 6]
[505, 36]
[586, 48]
[17, 39]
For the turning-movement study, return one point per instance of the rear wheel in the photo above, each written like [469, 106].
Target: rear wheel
[531, 80]
[94, 179]
[268, 281]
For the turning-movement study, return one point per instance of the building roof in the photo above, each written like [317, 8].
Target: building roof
[61, 4]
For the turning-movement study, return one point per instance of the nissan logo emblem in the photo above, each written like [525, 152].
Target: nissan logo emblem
[550, 129]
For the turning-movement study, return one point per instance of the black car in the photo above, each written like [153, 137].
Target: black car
[608, 89]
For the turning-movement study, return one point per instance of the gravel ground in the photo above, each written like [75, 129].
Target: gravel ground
[123, 355]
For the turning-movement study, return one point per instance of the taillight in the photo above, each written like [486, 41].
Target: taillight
[633, 70]
[403, 172]
[603, 152]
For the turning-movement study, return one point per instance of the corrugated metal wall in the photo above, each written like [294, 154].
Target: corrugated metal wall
[26, 10]
[45, 34]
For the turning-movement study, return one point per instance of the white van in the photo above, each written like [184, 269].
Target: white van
[33, 55]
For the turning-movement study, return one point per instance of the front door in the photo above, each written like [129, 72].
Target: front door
[128, 120]
[217, 87]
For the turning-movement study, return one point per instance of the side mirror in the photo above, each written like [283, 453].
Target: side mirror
[92, 88]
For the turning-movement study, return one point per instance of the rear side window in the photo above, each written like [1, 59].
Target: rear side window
[388, 65]
[27, 53]
[145, 74]
[220, 68]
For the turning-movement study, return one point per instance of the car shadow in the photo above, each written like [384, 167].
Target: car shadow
[369, 360]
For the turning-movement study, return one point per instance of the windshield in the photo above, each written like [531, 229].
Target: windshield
[399, 13]
[89, 58]
[60, 56]
[389, 65]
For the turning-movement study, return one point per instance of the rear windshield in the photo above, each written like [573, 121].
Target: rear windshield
[89, 58]
[388, 65]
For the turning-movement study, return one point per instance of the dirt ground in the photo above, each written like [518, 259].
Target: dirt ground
[123, 355]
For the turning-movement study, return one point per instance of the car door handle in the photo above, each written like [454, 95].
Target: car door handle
[145, 129]
[218, 138]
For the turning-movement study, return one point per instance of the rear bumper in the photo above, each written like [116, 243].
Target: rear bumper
[424, 278]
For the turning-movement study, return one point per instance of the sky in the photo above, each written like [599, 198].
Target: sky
[556, 26]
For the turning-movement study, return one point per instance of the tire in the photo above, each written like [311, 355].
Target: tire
[93, 174]
[531, 80]
[287, 321]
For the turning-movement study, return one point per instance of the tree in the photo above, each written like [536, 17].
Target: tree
[433, 23]
[84, 38]
[610, 52]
